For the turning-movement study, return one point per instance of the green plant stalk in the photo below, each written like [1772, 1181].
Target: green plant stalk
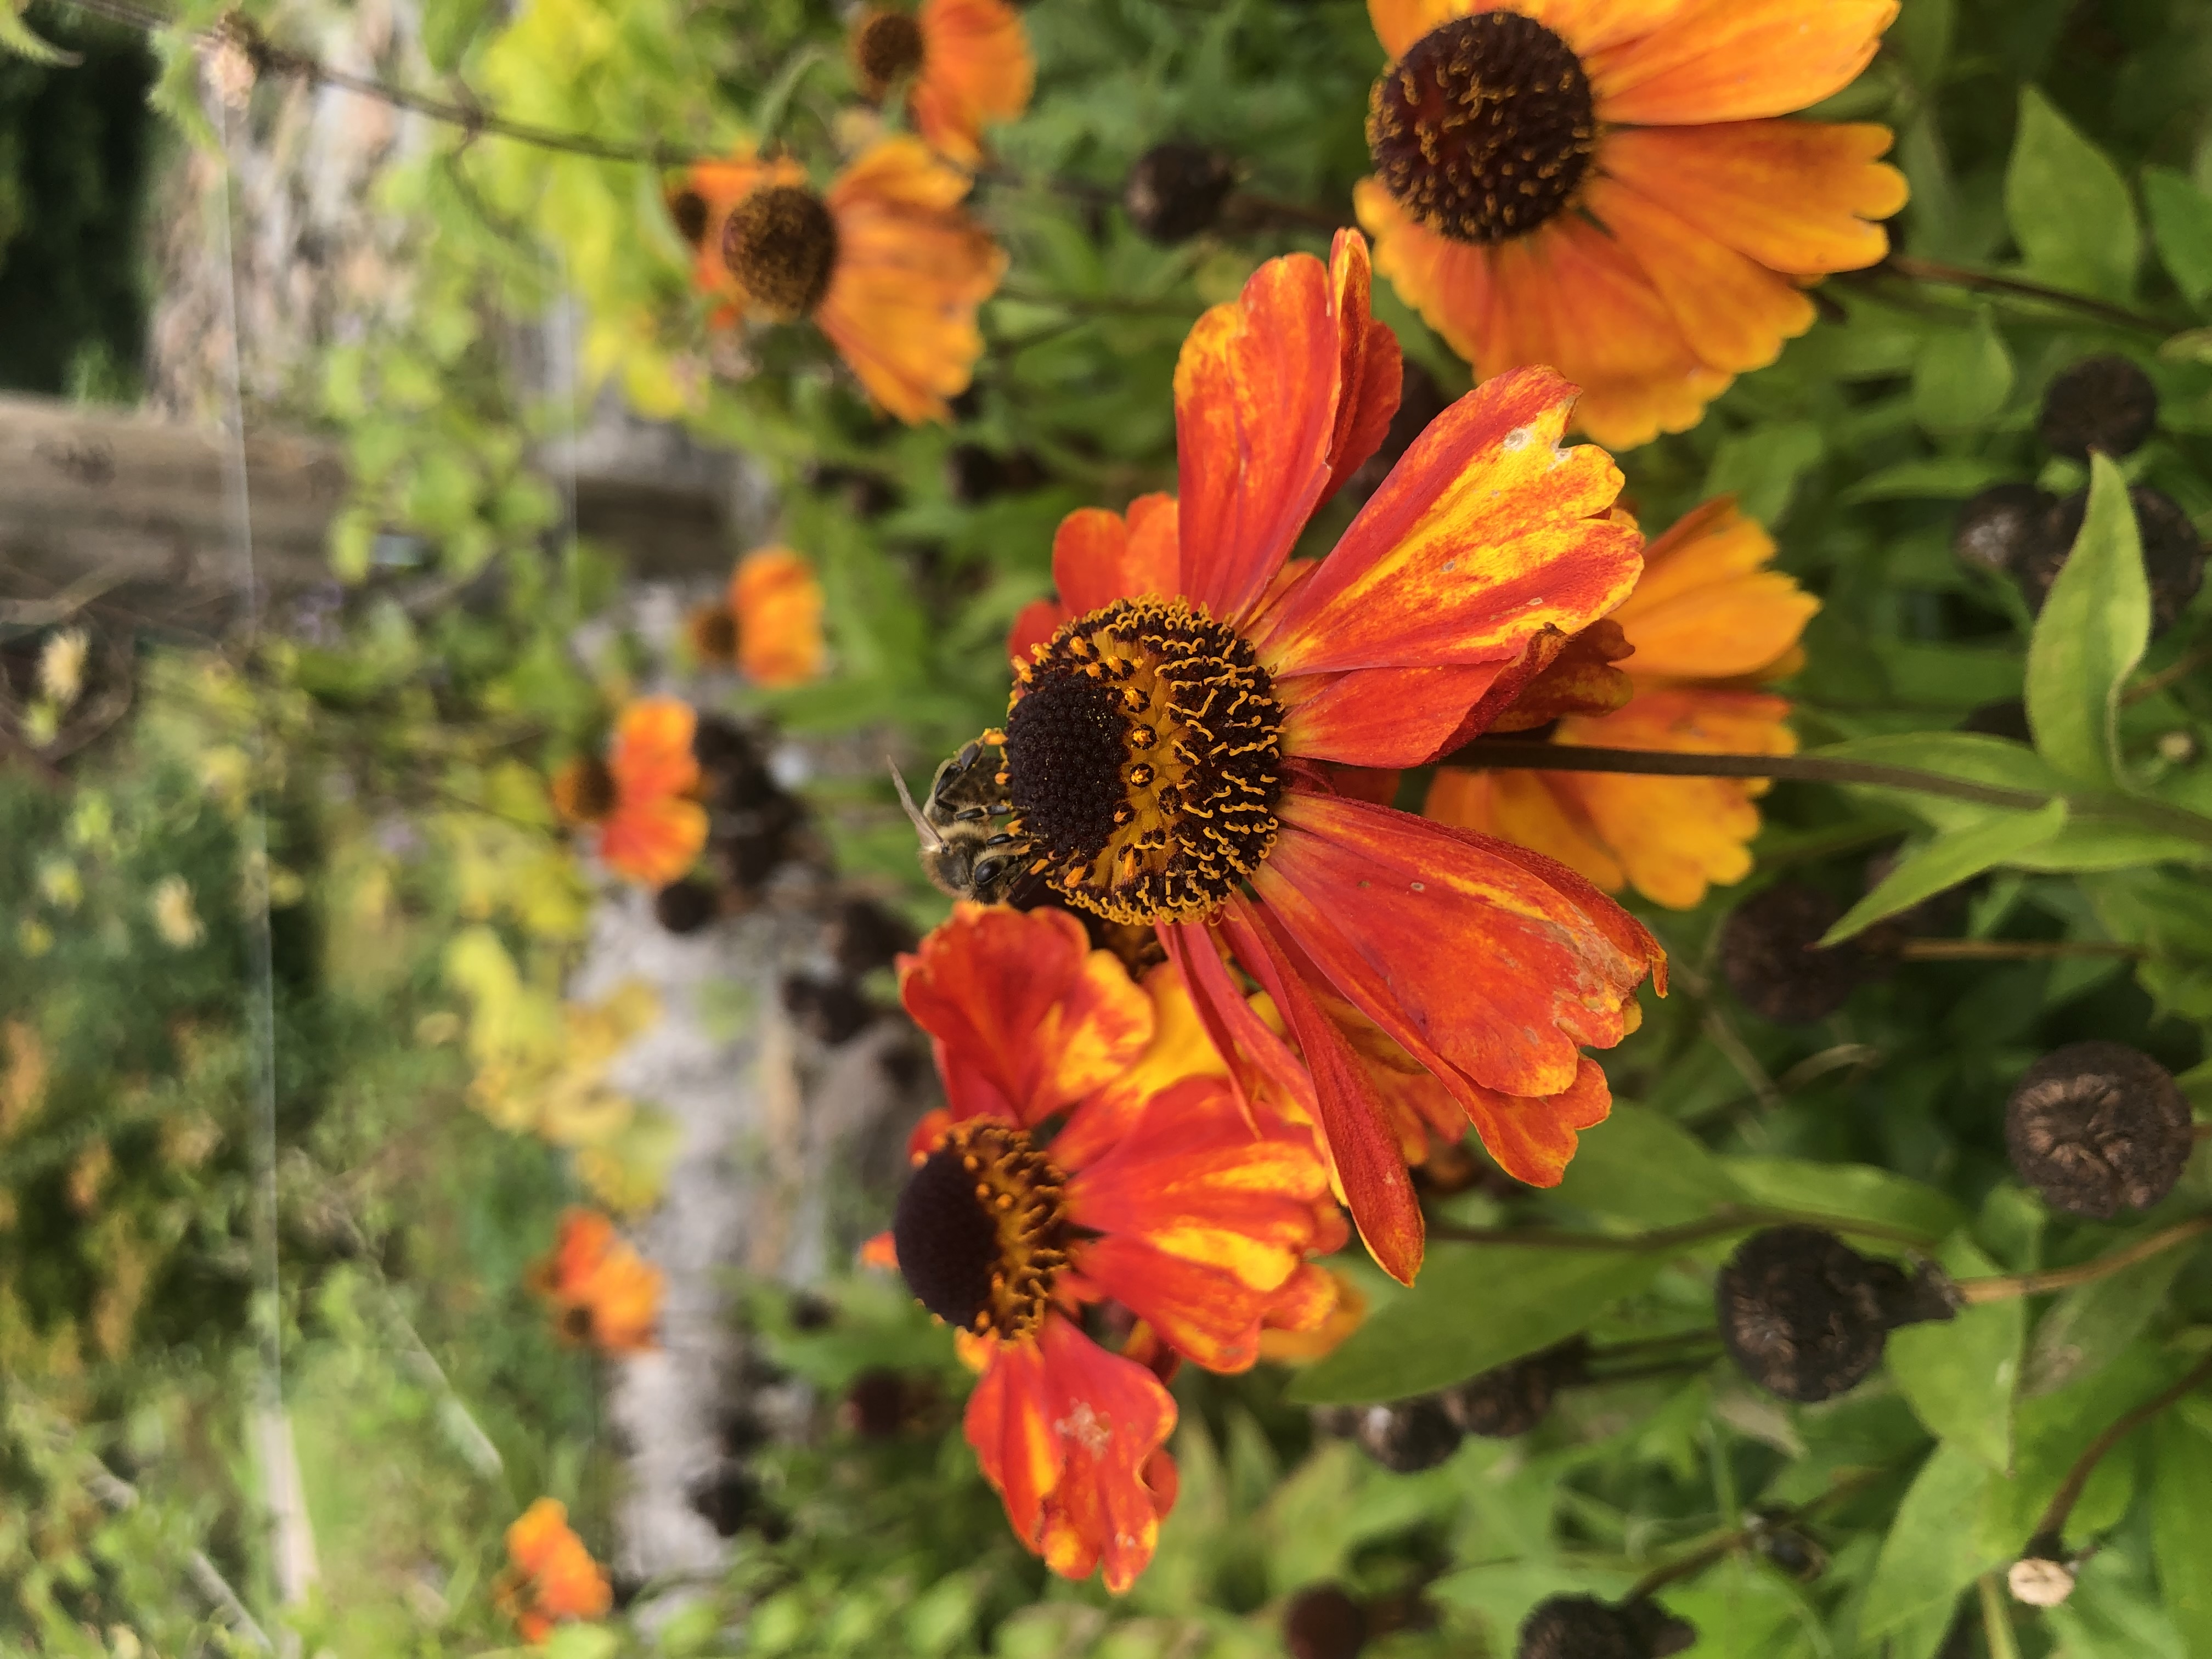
[1996, 1619]
[1999, 1287]
[2051, 1528]
[1706, 1554]
[1727, 1218]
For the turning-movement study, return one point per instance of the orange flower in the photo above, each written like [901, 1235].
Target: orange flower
[969, 62]
[602, 1290]
[1163, 749]
[1707, 623]
[886, 263]
[655, 829]
[551, 1576]
[1602, 185]
[1156, 1190]
[777, 603]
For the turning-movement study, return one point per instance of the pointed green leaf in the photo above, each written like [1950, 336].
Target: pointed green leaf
[2090, 637]
[2068, 205]
[1955, 856]
[1962, 378]
[1959, 1375]
[1928, 1557]
[2181, 225]
[2181, 1526]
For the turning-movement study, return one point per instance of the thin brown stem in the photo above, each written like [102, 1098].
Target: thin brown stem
[1728, 1219]
[1999, 1287]
[1489, 752]
[2011, 950]
[2051, 1528]
[1987, 282]
[2172, 674]
[1706, 1554]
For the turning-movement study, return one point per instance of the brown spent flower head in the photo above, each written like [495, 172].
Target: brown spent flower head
[780, 244]
[1583, 1627]
[2097, 1128]
[686, 906]
[688, 211]
[2173, 552]
[1806, 1317]
[2044, 1575]
[2103, 402]
[1767, 955]
[887, 49]
[713, 631]
[584, 790]
[881, 1403]
[1323, 1622]
[1176, 191]
[1995, 529]
[1409, 1436]
[1509, 1400]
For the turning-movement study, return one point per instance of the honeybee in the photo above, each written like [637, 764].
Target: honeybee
[964, 852]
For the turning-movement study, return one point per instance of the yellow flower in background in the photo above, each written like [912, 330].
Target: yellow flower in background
[61, 665]
[1604, 187]
[965, 63]
[1709, 623]
[175, 918]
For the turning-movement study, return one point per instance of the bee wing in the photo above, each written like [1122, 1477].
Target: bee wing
[930, 837]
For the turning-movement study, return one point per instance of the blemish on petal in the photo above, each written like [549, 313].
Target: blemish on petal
[1519, 437]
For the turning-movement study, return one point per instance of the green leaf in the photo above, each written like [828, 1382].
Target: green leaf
[2090, 637]
[1962, 378]
[1644, 1166]
[1928, 1557]
[2181, 226]
[15, 36]
[1945, 478]
[2181, 1526]
[2068, 205]
[2090, 1324]
[1476, 1306]
[1760, 467]
[1856, 1192]
[1959, 1375]
[1953, 857]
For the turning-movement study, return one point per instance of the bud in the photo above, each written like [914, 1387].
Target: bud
[713, 632]
[1583, 1627]
[2102, 402]
[686, 906]
[1176, 191]
[1323, 1622]
[1995, 528]
[2043, 1577]
[1768, 955]
[1806, 1317]
[1407, 1436]
[1508, 1402]
[2098, 1127]
[2173, 552]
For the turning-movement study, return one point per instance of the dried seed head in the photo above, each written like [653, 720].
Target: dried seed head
[2043, 1577]
[1995, 528]
[713, 632]
[1806, 1317]
[1767, 955]
[1409, 1435]
[2173, 552]
[1176, 191]
[584, 790]
[887, 48]
[1507, 1402]
[1583, 1627]
[2097, 1128]
[780, 244]
[2102, 402]
[1323, 1622]
[686, 906]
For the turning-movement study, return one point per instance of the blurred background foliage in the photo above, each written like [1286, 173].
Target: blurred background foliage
[374, 767]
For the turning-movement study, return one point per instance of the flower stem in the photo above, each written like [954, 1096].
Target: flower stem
[1706, 1554]
[1999, 1287]
[1950, 276]
[2011, 950]
[2051, 1528]
[1727, 1218]
[1996, 1619]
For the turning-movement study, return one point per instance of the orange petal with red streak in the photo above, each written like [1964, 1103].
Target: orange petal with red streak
[1370, 375]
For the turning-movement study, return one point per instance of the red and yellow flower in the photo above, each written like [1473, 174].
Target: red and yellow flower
[885, 262]
[551, 1578]
[642, 796]
[1603, 185]
[1709, 623]
[1091, 1149]
[966, 64]
[1166, 747]
[768, 624]
[602, 1291]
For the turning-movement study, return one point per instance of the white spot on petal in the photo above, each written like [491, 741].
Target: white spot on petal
[1519, 437]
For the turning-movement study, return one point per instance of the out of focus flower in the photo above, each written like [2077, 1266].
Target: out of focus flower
[1708, 623]
[886, 263]
[1167, 745]
[175, 918]
[602, 1291]
[777, 602]
[1608, 191]
[1091, 1152]
[651, 828]
[550, 1577]
[61, 665]
[965, 63]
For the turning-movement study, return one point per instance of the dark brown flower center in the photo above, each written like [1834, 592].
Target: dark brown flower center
[981, 1229]
[1143, 756]
[584, 790]
[782, 245]
[1485, 128]
[688, 208]
[887, 47]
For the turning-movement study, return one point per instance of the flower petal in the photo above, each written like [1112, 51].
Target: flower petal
[1025, 1017]
[1371, 373]
[1180, 1048]
[1802, 197]
[1537, 810]
[655, 839]
[1354, 1120]
[1255, 392]
[1033, 626]
[1254, 1052]
[1099, 557]
[1706, 608]
[1734, 312]
[1737, 60]
[777, 601]
[977, 67]
[1485, 534]
[652, 754]
[1576, 679]
[1381, 717]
